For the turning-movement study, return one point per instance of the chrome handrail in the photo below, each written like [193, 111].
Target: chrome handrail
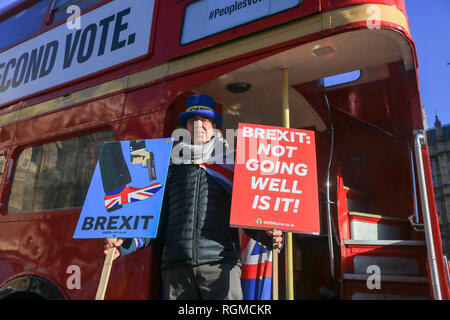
[414, 218]
[419, 142]
[330, 227]
[414, 189]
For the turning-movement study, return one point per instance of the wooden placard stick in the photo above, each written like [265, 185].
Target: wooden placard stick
[105, 272]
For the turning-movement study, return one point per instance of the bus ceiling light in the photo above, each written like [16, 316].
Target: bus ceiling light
[234, 109]
[239, 87]
[319, 51]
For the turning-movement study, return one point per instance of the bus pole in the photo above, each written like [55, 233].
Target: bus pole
[288, 249]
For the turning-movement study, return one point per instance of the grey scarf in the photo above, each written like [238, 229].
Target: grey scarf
[211, 152]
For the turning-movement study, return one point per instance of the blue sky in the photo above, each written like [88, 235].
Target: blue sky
[5, 2]
[431, 34]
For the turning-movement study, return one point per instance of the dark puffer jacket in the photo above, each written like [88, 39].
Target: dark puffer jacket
[198, 213]
[195, 222]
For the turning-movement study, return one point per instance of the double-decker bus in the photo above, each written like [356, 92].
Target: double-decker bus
[121, 70]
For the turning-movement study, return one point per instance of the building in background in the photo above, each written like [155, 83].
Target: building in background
[439, 149]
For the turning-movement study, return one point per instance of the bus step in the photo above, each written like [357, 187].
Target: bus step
[393, 257]
[367, 226]
[387, 265]
[354, 193]
[383, 296]
[415, 243]
[356, 200]
[387, 287]
[386, 278]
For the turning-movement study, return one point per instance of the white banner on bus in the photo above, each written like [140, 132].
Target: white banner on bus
[206, 17]
[109, 35]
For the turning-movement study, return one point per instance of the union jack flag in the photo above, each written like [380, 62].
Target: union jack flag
[223, 173]
[256, 273]
[128, 194]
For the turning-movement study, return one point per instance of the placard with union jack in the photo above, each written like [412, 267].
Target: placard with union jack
[125, 195]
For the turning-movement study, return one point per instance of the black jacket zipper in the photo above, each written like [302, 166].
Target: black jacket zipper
[194, 229]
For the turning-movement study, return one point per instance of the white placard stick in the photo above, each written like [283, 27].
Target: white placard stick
[105, 273]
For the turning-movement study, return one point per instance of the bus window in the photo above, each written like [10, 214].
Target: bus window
[55, 175]
[59, 7]
[24, 23]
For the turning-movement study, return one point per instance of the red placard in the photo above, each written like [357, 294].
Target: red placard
[275, 180]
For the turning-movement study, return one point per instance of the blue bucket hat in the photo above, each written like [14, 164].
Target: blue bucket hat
[200, 105]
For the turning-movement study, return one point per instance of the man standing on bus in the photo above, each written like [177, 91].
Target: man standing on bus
[201, 256]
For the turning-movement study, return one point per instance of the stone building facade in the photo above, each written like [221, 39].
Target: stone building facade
[439, 148]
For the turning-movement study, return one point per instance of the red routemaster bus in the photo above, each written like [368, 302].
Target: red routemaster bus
[121, 70]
